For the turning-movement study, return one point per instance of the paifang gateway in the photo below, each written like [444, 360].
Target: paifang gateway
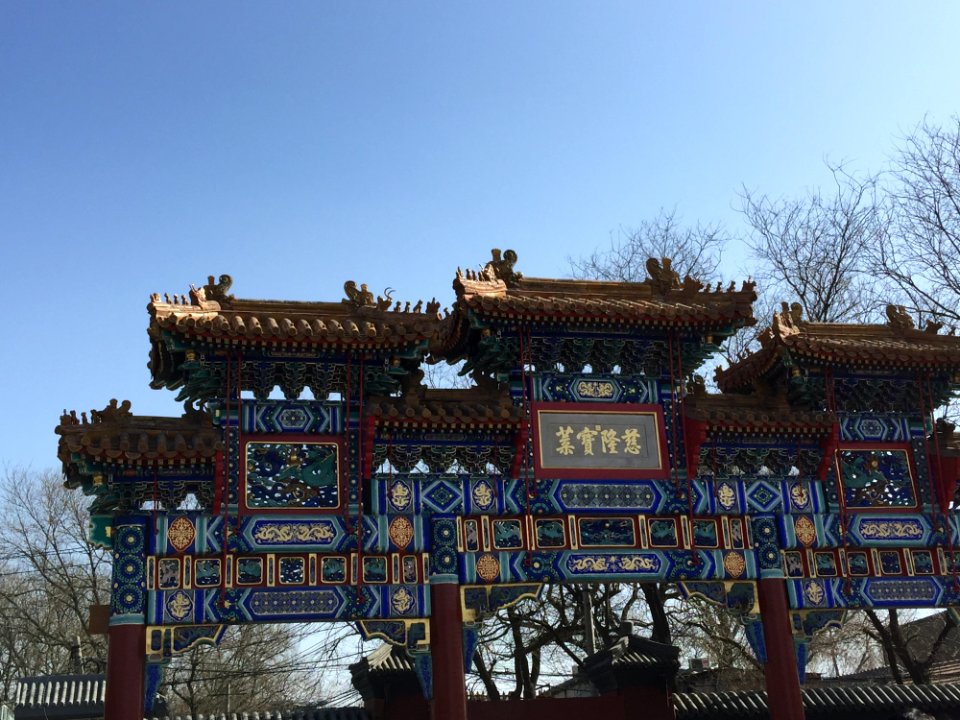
[586, 450]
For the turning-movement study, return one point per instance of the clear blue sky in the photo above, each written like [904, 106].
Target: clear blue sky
[295, 145]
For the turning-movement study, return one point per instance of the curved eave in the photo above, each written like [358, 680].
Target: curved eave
[422, 423]
[771, 428]
[269, 323]
[741, 374]
[138, 442]
[446, 409]
[711, 323]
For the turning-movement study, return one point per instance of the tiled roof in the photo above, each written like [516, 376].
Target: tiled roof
[757, 413]
[895, 345]
[631, 660]
[60, 696]
[348, 713]
[388, 659]
[114, 434]
[867, 701]
[354, 713]
[446, 408]
[271, 322]
[603, 302]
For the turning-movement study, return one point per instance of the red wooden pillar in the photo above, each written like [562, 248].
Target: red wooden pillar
[782, 678]
[126, 646]
[126, 666]
[446, 646]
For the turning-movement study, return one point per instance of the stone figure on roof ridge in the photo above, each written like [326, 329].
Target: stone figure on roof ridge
[500, 267]
[661, 274]
[898, 318]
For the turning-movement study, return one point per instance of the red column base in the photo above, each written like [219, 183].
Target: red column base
[446, 646]
[126, 666]
[784, 698]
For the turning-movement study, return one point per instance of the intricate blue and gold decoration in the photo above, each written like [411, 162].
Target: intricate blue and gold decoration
[876, 477]
[292, 475]
[586, 451]
[128, 596]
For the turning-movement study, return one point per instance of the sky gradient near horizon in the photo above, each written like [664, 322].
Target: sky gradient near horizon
[296, 145]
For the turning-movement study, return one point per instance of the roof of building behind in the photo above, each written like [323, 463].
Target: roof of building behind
[60, 696]
[347, 713]
[874, 701]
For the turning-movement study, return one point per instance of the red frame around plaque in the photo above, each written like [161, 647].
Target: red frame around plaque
[600, 473]
[280, 439]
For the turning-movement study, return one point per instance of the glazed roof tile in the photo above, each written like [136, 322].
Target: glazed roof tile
[115, 435]
[270, 322]
[389, 659]
[446, 408]
[895, 345]
[604, 302]
[60, 696]
[341, 713]
[821, 702]
[212, 314]
[756, 412]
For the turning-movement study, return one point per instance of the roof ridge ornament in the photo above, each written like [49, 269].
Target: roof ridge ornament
[113, 412]
[792, 313]
[196, 413]
[213, 295]
[662, 277]
[500, 267]
[898, 318]
[363, 298]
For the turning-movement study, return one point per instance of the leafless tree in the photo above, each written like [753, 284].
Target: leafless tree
[812, 249]
[695, 251]
[909, 647]
[255, 668]
[921, 255]
[50, 575]
[50, 578]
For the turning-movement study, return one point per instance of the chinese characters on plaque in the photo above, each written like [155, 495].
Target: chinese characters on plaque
[615, 443]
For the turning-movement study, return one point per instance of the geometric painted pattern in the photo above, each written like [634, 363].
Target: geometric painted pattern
[129, 571]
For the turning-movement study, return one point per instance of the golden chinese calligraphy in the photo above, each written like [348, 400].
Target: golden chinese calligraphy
[608, 440]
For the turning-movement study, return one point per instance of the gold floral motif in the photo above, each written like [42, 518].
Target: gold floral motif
[891, 529]
[179, 605]
[734, 564]
[814, 592]
[595, 389]
[401, 532]
[726, 496]
[293, 532]
[181, 533]
[488, 567]
[402, 600]
[400, 495]
[806, 530]
[482, 496]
